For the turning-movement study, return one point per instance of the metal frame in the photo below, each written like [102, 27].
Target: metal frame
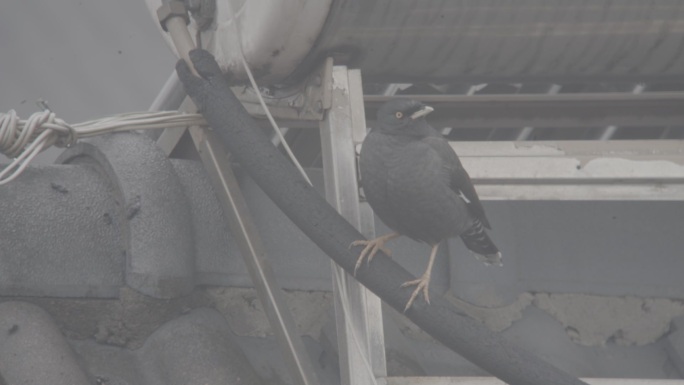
[546, 110]
[307, 101]
[653, 109]
[358, 312]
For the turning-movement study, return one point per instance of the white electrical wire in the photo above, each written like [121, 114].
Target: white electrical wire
[344, 300]
[261, 99]
[24, 139]
[273, 122]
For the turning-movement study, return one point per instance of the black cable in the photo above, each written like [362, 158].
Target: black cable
[333, 234]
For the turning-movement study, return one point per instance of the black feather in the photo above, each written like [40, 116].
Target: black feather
[477, 240]
[416, 184]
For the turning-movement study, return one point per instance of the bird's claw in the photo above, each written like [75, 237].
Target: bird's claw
[369, 251]
[422, 284]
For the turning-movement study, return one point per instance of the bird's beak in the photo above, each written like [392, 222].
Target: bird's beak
[422, 112]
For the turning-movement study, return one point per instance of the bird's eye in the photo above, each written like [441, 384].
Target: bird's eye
[399, 115]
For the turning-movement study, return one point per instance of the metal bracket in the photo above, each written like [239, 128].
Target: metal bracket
[303, 102]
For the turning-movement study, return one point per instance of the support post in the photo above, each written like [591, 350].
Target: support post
[358, 312]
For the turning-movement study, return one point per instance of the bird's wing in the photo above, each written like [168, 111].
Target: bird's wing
[459, 180]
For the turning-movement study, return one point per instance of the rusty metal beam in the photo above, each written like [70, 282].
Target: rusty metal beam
[654, 109]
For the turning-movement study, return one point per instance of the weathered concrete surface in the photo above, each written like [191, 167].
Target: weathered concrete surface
[593, 320]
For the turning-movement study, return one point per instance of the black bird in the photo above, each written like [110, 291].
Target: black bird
[416, 184]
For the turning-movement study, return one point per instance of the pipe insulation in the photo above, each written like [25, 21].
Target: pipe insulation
[333, 234]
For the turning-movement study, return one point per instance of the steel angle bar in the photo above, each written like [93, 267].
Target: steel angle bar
[215, 159]
[358, 311]
[170, 137]
[170, 96]
[651, 109]
[214, 156]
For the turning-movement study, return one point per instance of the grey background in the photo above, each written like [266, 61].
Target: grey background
[87, 58]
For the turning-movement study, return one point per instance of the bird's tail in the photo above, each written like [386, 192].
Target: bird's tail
[477, 240]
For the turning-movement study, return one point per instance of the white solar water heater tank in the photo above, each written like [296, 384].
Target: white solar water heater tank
[449, 41]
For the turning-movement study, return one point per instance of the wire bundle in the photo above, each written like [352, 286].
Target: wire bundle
[24, 139]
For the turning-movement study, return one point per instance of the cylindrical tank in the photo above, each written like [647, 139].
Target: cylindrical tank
[453, 40]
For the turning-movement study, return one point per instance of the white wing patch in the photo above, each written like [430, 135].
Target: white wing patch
[460, 194]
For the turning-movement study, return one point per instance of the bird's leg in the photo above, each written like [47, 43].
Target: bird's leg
[423, 283]
[372, 248]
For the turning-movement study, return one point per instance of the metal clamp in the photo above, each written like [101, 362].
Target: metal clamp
[307, 101]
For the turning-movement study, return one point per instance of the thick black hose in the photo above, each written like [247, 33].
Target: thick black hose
[333, 234]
